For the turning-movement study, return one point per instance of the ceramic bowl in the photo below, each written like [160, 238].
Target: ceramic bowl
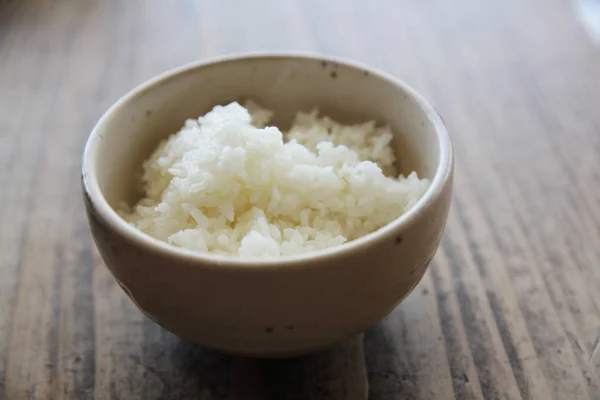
[275, 307]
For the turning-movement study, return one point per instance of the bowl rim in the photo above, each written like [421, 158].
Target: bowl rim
[112, 219]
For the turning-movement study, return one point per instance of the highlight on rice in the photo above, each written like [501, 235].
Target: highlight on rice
[227, 183]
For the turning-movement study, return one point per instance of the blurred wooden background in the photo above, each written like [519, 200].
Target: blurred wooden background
[510, 308]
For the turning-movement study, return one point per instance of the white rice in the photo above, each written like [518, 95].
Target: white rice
[226, 184]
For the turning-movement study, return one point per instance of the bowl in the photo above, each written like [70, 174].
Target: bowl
[269, 307]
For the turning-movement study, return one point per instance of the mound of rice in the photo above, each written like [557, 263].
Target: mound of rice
[226, 184]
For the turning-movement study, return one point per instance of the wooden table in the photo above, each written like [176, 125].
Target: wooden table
[510, 308]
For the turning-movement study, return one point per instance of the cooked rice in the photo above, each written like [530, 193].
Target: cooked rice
[226, 184]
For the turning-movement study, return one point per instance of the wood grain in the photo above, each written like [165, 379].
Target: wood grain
[510, 308]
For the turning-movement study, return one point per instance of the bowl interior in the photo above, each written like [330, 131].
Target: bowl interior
[130, 131]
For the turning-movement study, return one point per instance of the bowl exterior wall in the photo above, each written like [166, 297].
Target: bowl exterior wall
[276, 311]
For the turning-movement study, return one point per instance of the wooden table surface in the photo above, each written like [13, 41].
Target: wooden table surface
[510, 308]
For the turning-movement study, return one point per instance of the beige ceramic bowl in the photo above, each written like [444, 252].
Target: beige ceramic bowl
[276, 307]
